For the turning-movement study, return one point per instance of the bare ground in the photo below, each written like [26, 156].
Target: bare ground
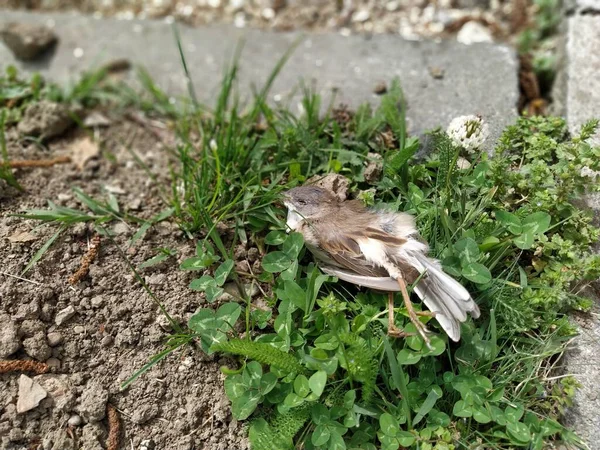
[116, 328]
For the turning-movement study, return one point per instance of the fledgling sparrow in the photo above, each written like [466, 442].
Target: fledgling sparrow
[380, 250]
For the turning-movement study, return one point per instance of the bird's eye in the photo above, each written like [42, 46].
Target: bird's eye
[302, 202]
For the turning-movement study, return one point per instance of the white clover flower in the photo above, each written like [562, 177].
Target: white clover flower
[590, 173]
[468, 132]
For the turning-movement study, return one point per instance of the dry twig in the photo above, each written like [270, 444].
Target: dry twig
[87, 261]
[28, 163]
[17, 365]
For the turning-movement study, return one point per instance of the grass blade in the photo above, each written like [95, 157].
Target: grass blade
[38, 255]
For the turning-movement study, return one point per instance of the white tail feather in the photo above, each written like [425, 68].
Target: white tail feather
[441, 293]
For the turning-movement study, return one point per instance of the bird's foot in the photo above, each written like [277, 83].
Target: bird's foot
[421, 328]
[425, 313]
[396, 332]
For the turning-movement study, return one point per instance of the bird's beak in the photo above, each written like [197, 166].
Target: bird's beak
[284, 199]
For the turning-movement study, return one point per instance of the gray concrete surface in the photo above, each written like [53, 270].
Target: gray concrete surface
[577, 96]
[477, 79]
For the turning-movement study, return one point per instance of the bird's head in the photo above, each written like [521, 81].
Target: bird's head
[308, 202]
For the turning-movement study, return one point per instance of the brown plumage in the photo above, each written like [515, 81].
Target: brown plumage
[377, 249]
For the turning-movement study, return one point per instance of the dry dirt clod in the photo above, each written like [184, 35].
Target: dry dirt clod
[9, 336]
[37, 347]
[60, 391]
[92, 404]
[45, 119]
[27, 41]
[30, 394]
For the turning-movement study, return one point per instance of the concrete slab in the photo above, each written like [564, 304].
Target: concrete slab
[578, 96]
[582, 89]
[477, 79]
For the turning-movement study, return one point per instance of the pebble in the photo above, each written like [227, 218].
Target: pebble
[30, 394]
[75, 420]
[54, 338]
[79, 329]
[106, 341]
[362, 15]
[474, 32]
[27, 41]
[53, 362]
[64, 315]
[147, 444]
[121, 228]
[97, 301]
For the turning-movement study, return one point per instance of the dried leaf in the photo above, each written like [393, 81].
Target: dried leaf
[22, 236]
[82, 150]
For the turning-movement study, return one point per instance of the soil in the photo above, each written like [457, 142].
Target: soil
[108, 326]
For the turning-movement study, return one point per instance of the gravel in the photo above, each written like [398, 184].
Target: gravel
[411, 19]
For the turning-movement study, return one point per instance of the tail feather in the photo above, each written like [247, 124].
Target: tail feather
[445, 296]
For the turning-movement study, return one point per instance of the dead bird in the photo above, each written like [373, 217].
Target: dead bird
[381, 250]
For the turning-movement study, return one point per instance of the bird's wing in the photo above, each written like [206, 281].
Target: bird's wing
[344, 249]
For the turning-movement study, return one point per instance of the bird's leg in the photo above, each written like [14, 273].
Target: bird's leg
[425, 313]
[421, 329]
[393, 330]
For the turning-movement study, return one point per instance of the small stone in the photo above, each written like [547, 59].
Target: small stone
[362, 15]
[96, 119]
[121, 228]
[436, 72]
[30, 394]
[75, 420]
[79, 329]
[97, 301]
[106, 341]
[9, 336]
[37, 346]
[147, 444]
[92, 406]
[380, 88]
[135, 204]
[53, 362]
[27, 41]
[64, 315]
[45, 119]
[54, 338]
[474, 32]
